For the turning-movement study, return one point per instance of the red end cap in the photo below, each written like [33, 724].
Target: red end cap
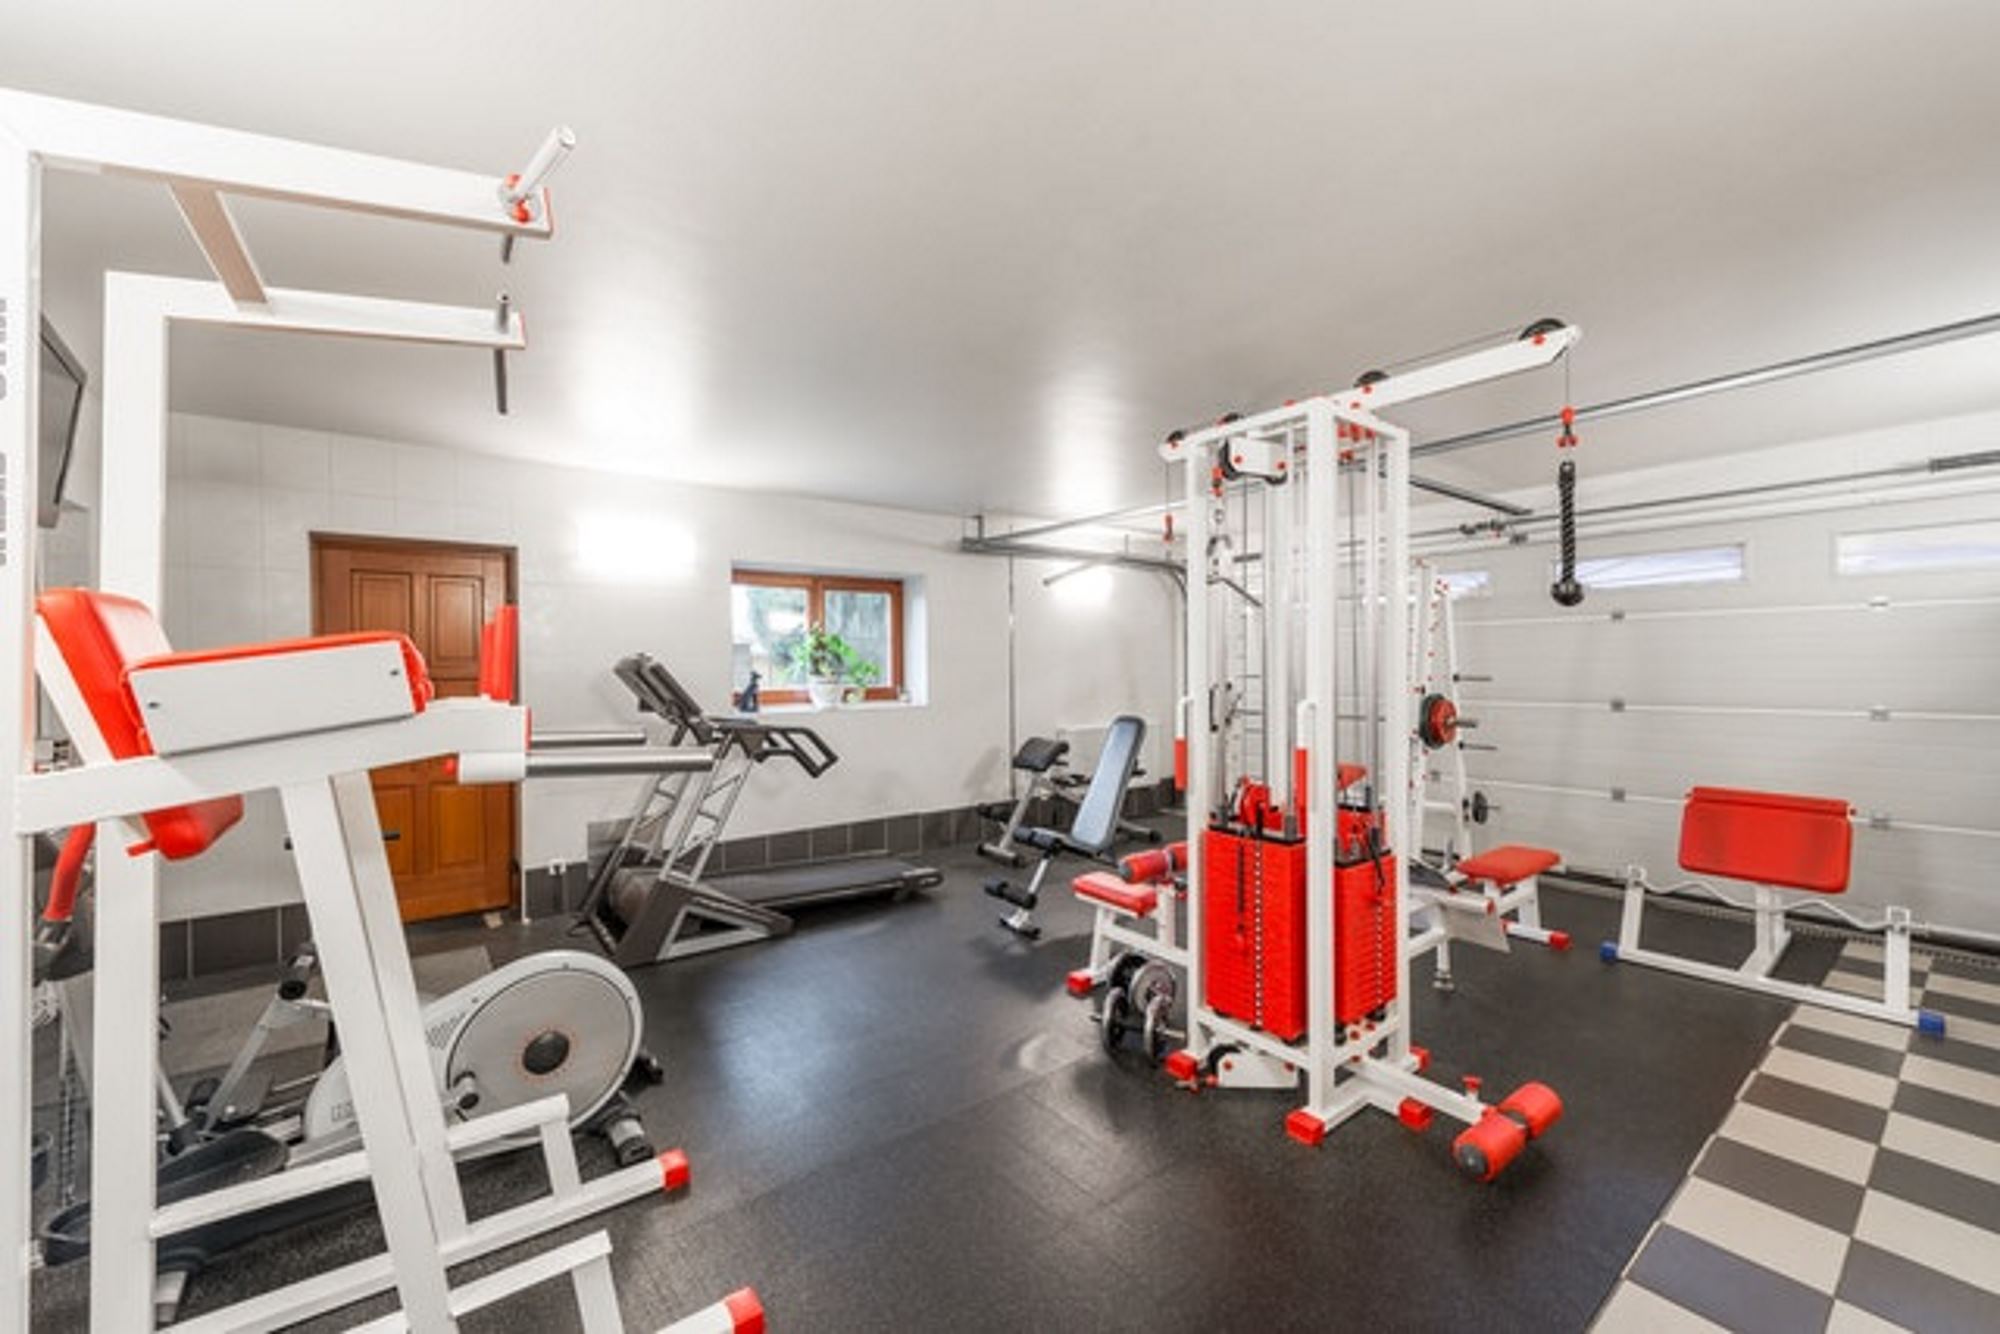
[1483, 1150]
[1416, 1115]
[1536, 1106]
[1306, 1128]
[674, 1170]
[1423, 1055]
[1181, 1066]
[1080, 982]
[1558, 940]
[746, 1312]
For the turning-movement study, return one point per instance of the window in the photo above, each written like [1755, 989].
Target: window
[1466, 583]
[770, 612]
[1660, 569]
[1949, 546]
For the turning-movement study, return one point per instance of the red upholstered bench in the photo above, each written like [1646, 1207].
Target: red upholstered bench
[1106, 888]
[132, 684]
[1509, 864]
[1768, 838]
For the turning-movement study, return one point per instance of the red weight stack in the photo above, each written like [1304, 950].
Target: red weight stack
[1364, 932]
[1253, 920]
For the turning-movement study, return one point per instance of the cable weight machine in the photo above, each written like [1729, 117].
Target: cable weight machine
[1298, 884]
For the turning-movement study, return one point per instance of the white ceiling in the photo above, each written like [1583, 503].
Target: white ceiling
[983, 255]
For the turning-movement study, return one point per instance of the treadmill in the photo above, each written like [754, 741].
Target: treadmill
[651, 897]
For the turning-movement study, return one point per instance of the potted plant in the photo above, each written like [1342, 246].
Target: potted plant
[834, 672]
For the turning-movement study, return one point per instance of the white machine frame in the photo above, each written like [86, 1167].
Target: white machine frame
[1770, 938]
[1335, 430]
[322, 778]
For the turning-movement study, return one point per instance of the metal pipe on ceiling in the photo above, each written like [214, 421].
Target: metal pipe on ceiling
[1985, 458]
[1778, 370]
[1006, 546]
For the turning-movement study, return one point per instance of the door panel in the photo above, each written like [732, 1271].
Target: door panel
[456, 850]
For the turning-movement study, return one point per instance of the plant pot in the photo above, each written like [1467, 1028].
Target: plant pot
[826, 692]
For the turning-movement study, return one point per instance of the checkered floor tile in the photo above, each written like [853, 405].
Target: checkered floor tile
[1854, 1186]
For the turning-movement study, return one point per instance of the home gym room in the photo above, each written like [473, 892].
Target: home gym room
[720, 667]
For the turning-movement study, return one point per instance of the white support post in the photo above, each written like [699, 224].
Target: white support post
[1395, 701]
[1321, 704]
[1200, 795]
[124, 1058]
[383, 1102]
[395, 985]
[20, 351]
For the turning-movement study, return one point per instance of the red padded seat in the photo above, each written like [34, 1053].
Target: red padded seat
[1104, 887]
[103, 638]
[1509, 864]
[1769, 838]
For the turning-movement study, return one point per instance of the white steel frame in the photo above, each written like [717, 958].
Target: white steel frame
[322, 779]
[1770, 937]
[1325, 433]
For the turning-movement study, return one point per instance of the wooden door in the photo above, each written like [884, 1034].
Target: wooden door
[451, 847]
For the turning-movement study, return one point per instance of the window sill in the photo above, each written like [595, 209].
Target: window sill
[864, 706]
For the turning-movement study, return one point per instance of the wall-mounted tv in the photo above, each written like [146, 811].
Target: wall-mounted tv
[60, 405]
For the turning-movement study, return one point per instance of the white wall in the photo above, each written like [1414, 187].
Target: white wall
[1944, 659]
[242, 499]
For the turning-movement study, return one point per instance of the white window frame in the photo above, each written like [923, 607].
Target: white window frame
[1913, 562]
[1693, 580]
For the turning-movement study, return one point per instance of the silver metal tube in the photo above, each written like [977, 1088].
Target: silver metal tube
[1103, 516]
[1778, 370]
[1470, 497]
[612, 762]
[989, 546]
[585, 737]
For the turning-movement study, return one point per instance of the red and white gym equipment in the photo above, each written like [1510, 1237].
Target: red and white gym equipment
[1487, 898]
[169, 741]
[1773, 840]
[1298, 901]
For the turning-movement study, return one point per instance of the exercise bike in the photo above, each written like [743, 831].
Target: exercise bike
[561, 1021]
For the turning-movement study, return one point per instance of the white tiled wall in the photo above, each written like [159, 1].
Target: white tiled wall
[242, 499]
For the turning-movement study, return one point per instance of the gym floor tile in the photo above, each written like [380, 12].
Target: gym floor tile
[1853, 1320]
[1931, 1239]
[1636, 1310]
[1725, 1288]
[1925, 1067]
[1948, 1109]
[1953, 979]
[1915, 1296]
[1954, 1005]
[1833, 1047]
[1938, 1188]
[1760, 1233]
[1836, 1077]
[1842, 1115]
[1787, 1137]
[1788, 1185]
[1861, 1029]
[1941, 1144]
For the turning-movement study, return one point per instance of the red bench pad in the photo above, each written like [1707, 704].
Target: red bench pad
[1104, 887]
[103, 638]
[1509, 864]
[1770, 838]
[98, 634]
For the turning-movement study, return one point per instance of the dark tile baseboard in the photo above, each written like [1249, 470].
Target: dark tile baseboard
[265, 937]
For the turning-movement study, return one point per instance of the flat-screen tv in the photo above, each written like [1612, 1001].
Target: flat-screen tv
[60, 405]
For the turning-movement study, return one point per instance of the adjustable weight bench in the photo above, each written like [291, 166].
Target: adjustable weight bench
[1090, 834]
[1774, 841]
[168, 742]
